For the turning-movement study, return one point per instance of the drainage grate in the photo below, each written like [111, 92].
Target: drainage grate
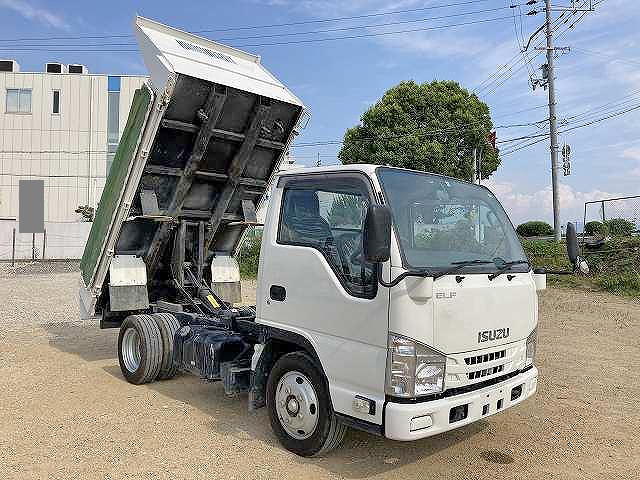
[205, 51]
[487, 357]
[485, 372]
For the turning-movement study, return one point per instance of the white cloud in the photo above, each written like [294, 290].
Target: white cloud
[33, 12]
[538, 205]
[633, 154]
[431, 43]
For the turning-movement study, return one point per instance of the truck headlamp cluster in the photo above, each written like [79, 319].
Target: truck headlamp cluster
[413, 369]
[531, 347]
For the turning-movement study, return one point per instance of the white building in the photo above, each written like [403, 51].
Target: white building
[61, 125]
[62, 128]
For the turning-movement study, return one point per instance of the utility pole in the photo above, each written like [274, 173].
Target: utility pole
[553, 123]
[549, 80]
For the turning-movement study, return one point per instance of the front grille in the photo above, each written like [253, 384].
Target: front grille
[487, 357]
[485, 372]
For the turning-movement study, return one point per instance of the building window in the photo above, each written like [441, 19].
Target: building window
[18, 100]
[113, 118]
[113, 84]
[56, 101]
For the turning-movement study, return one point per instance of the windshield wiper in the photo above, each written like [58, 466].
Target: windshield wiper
[459, 265]
[506, 266]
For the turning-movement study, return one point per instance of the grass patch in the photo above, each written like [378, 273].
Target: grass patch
[615, 267]
[621, 284]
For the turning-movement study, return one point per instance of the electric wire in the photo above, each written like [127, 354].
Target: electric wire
[454, 129]
[498, 78]
[311, 32]
[280, 43]
[582, 125]
[251, 27]
[613, 58]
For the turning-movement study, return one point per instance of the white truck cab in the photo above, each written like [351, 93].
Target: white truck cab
[449, 344]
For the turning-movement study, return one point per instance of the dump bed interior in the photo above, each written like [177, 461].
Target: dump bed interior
[217, 131]
[213, 155]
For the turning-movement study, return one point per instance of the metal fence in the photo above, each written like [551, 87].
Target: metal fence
[606, 209]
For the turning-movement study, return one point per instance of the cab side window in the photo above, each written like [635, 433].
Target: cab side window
[330, 218]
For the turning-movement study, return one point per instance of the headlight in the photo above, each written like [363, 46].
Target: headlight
[531, 347]
[413, 369]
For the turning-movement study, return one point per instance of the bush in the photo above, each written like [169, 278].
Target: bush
[534, 229]
[248, 254]
[620, 226]
[596, 228]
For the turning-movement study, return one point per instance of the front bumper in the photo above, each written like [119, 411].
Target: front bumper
[412, 421]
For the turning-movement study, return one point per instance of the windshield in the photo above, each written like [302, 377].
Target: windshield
[440, 221]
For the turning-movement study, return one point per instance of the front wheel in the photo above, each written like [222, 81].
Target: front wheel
[300, 408]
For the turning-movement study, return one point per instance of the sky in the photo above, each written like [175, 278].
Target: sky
[474, 42]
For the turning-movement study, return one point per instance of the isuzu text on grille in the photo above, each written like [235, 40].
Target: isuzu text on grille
[489, 335]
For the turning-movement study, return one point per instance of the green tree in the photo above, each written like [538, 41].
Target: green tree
[432, 127]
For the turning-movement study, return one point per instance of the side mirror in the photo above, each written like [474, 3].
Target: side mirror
[377, 234]
[572, 243]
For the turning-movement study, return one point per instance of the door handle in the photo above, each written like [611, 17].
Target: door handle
[277, 293]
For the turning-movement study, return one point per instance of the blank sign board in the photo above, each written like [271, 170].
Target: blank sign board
[31, 207]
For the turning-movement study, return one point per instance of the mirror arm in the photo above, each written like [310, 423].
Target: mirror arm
[399, 278]
[543, 270]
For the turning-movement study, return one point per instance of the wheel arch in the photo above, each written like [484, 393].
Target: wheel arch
[278, 342]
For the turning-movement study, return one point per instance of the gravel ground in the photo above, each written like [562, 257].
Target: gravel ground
[66, 411]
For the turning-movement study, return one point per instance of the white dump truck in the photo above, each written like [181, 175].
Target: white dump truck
[392, 301]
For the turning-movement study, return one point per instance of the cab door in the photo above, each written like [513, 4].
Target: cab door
[314, 281]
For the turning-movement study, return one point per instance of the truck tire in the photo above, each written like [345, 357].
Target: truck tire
[140, 349]
[300, 408]
[168, 326]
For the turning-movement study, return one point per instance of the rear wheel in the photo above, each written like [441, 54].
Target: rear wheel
[140, 349]
[300, 408]
[168, 326]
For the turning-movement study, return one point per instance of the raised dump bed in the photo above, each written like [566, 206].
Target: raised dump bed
[202, 141]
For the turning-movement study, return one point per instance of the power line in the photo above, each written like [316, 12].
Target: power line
[251, 27]
[604, 108]
[583, 125]
[499, 78]
[287, 42]
[522, 111]
[538, 137]
[527, 58]
[613, 58]
[592, 122]
[289, 34]
[356, 27]
[508, 66]
[453, 129]
[524, 146]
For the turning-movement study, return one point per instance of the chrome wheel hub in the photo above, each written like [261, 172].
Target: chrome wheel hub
[131, 349]
[297, 405]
